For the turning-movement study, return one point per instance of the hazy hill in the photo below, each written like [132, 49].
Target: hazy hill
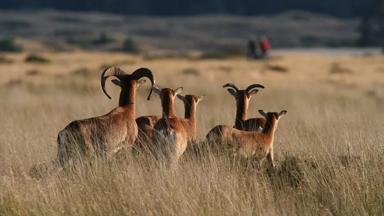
[69, 30]
[339, 8]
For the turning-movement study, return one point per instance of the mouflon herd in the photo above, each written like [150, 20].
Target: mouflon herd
[166, 135]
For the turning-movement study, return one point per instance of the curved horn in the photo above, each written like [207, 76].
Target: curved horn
[144, 72]
[230, 85]
[249, 88]
[263, 113]
[181, 97]
[283, 112]
[108, 72]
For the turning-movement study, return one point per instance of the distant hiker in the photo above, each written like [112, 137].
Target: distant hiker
[258, 50]
[265, 46]
[251, 49]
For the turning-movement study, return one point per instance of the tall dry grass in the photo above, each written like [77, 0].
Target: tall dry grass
[328, 147]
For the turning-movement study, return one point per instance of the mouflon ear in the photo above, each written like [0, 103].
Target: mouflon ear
[116, 82]
[252, 92]
[156, 89]
[263, 113]
[231, 88]
[232, 92]
[141, 82]
[283, 112]
[200, 98]
[181, 97]
[178, 90]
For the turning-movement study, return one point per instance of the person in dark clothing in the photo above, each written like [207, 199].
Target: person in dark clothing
[251, 49]
[258, 50]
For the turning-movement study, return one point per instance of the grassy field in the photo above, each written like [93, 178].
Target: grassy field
[328, 147]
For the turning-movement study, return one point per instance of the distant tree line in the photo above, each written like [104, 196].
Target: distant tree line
[372, 23]
[339, 8]
[371, 12]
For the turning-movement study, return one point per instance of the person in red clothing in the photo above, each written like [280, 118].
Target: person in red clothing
[265, 46]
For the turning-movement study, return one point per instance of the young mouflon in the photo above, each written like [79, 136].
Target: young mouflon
[248, 144]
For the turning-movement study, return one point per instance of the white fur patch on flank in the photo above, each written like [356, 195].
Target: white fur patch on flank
[170, 137]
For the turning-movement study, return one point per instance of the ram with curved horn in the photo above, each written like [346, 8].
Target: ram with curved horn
[110, 133]
[242, 97]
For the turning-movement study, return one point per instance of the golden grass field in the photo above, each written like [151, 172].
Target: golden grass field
[329, 147]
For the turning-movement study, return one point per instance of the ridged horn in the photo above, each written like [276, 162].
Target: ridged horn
[144, 72]
[249, 88]
[231, 85]
[108, 72]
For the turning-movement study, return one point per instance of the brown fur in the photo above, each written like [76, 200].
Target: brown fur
[248, 144]
[146, 123]
[104, 135]
[242, 98]
[175, 133]
[190, 106]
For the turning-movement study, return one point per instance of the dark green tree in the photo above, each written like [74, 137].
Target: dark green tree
[372, 24]
[340, 8]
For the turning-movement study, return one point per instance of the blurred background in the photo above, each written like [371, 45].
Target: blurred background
[214, 27]
[322, 60]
